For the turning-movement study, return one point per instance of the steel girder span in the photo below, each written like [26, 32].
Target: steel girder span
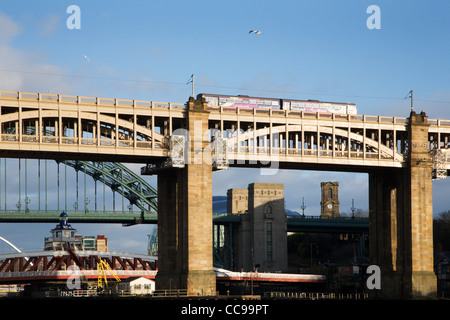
[120, 179]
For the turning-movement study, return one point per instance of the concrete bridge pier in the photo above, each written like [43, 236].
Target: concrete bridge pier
[185, 225]
[401, 220]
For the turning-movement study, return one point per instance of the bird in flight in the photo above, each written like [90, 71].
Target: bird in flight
[86, 57]
[255, 31]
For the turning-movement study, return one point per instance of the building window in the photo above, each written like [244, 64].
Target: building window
[269, 254]
[330, 193]
[89, 244]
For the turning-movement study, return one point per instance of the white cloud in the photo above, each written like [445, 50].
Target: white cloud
[22, 70]
[48, 25]
[9, 29]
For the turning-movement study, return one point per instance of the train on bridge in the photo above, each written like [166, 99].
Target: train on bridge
[243, 101]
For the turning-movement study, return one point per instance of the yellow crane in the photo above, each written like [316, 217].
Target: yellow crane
[101, 268]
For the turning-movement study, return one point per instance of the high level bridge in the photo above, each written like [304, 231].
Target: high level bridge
[64, 127]
[184, 143]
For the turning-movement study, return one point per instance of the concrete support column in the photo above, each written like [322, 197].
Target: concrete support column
[185, 226]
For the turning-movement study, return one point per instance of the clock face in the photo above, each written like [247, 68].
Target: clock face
[329, 206]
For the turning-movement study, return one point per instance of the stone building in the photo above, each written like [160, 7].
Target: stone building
[259, 242]
[237, 200]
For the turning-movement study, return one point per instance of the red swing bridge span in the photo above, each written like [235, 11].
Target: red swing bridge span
[47, 266]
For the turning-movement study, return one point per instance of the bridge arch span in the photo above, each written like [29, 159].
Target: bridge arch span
[106, 124]
[327, 145]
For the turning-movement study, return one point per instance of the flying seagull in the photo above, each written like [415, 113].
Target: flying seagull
[255, 31]
[86, 57]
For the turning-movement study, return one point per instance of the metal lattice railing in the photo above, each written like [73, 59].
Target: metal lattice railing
[439, 164]
[220, 159]
[177, 143]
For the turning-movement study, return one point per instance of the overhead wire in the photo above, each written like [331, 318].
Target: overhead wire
[219, 86]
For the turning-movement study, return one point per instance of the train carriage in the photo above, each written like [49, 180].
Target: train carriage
[231, 102]
[240, 101]
[319, 106]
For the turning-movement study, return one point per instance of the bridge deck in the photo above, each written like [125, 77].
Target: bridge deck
[63, 126]
[52, 216]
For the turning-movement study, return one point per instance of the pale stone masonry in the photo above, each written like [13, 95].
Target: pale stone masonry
[401, 220]
[237, 200]
[329, 206]
[185, 215]
[261, 238]
[200, 277]
[423, 280]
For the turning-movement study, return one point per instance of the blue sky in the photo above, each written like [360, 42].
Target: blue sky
[307, 49]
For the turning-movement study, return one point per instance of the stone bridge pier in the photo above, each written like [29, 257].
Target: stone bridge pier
[185, 234]
[401, 220]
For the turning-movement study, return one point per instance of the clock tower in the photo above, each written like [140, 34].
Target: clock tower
[330, 199]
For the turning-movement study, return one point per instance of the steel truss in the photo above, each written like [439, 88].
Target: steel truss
[122, 180]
